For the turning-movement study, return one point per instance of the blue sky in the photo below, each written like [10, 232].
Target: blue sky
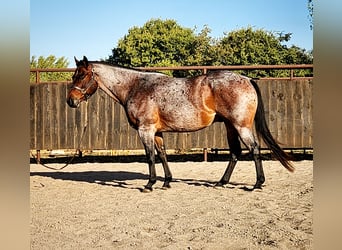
[92, 28]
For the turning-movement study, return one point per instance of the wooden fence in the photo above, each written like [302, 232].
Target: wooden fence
[54, 125]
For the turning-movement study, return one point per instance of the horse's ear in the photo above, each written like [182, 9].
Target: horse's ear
[76, 61]
[85, 61]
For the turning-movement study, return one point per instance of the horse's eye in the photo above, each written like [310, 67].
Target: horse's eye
[80, 76]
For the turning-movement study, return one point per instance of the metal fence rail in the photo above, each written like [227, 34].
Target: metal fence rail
[204, 69]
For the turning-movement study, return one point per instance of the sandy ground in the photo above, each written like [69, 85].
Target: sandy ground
[100, 206]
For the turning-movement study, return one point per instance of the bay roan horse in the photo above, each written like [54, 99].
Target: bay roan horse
[156, 103]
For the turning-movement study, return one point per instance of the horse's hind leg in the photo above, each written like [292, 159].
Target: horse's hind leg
[235, 151]
[159, 143]
[248, 139]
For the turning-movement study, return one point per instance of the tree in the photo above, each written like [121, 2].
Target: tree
[162, 43]
[246, 46]
[165, 43]
[256, 47]
[50, 62]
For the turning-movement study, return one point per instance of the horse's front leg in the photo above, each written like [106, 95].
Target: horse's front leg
[147, 138]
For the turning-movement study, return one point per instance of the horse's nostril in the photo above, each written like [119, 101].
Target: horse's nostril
[71, 103]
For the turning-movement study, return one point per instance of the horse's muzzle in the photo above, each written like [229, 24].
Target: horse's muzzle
[73, 103]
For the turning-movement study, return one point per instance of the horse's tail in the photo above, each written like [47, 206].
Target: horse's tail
[264, 132]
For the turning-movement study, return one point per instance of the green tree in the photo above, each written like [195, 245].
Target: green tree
[48, 63]
[246, 46]
[257, 47]
[162, 43]
[165, 43]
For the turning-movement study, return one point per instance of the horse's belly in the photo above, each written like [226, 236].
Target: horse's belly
[185, 122]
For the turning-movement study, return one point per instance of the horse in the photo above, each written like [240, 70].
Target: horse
[155, 103]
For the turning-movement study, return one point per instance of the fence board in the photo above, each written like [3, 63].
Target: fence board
[288, 108]
[45, 104]
[33, 116]
[307, 114]
[265, 93]
[61, 115]
[70, 121]
[290, 116]
[117, 117]
[298, 114]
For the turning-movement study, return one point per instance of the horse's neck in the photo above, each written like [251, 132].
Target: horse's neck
[116, 82]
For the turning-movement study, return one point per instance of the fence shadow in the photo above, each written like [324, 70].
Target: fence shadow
[171, 158]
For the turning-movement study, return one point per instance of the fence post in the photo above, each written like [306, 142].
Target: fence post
[37, 76]
[38, 156]
[205, 154]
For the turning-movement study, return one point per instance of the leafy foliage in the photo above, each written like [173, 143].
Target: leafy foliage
[165, 43]
[259, 47]
[50, 62]
[162, 43]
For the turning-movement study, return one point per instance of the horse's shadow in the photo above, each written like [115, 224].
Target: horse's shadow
[121, 179]
[213, 184]
[107, 178]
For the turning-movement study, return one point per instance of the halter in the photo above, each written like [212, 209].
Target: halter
[89, 84]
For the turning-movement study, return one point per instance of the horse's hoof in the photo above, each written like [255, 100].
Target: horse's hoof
[257, 187]
[166, 187]
[146, 190]
[219, 185]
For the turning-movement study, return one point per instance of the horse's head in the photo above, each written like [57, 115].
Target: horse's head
[83, 83]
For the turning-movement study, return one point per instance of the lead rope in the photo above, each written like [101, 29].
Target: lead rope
[78, 149]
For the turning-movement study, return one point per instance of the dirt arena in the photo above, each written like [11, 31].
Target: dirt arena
[100, 206]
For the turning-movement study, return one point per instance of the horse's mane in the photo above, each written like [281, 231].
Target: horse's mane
[124, 67]
[115, 65]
